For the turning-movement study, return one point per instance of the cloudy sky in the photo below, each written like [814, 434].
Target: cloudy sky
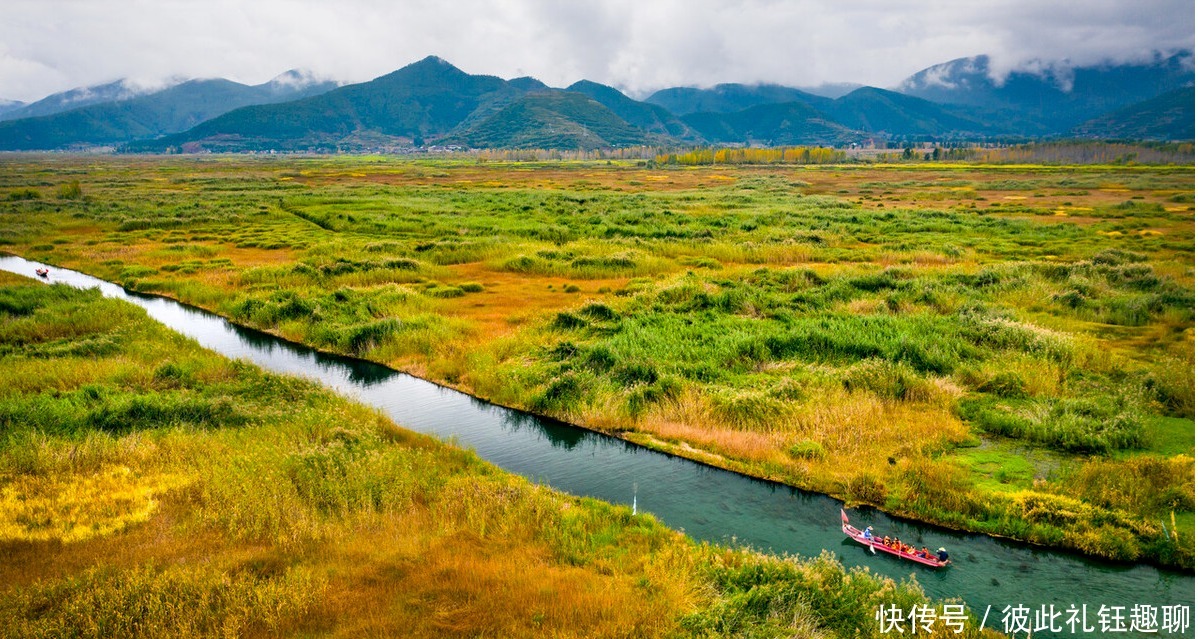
[637, 45]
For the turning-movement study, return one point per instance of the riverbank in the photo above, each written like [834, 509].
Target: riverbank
[760, 320]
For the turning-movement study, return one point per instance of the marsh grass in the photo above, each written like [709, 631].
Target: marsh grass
[882, 313]
[300, 513]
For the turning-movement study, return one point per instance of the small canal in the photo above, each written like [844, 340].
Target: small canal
[704, 502]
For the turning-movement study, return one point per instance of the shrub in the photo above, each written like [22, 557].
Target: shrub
[609, 263]
[1005, 384]
[568, 321]
[633, 373]
[599, 312]
[561, 395]
[363, 338]
[1081, 425]
[749, 409]
[139, 412]
[599, 359]
[402, 264]
[18, 195]
[171, 374]
[865, 488]
[1110, 542]
[808, 449]
[69, 191]
[523, 264]
[446, 292]
[644, 396]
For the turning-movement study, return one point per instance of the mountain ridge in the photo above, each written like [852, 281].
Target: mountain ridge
[120, 121]
[1058, 96]
[431, 101]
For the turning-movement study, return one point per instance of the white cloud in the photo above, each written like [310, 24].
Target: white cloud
[639, 45]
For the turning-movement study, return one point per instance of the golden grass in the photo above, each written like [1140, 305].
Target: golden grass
[511, 300]
[465, 585]
[75, 508]
[855, 429]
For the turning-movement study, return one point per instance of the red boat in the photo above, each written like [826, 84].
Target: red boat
[42, 272]
[876, 545]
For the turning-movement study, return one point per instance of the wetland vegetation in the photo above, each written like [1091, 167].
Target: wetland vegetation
[1003, 349]
[151, 488]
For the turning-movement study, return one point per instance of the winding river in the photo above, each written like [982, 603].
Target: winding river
[707, 503]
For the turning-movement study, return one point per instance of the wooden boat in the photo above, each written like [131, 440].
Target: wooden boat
[42, 272]
[876, 545]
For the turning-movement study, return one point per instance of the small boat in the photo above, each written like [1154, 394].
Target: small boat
[876, 545]
[43, 272]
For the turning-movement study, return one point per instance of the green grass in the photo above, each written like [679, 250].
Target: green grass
[738, 314]
[1171, 436]
[128, 508]
[997, 469]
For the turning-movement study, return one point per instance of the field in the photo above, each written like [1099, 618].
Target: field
[149, 488]
[1004, 349]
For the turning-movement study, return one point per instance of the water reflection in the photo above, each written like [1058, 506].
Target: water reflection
[558, 435]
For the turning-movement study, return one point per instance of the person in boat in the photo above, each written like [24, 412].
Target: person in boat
[868, 534]
[942, 554]
[923, 552]
[886, 541]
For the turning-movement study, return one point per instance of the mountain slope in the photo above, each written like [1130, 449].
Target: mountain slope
[7, 106]
[650, 117]
[431, 101]
[1165, 117]
[146, 116]
[552, 120]
[882, 111]
[1058, 97]
[772, 125]
[729, 98]
[425, 99]
[77, 98]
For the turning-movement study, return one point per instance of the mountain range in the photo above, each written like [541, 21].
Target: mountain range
[432, 102]
[118, 112]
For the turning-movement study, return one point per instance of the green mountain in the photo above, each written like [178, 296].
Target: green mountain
[432, 102]
[894, 114]
[650, 117]
[422, 101]
[791, 123]
[729, 98]
[552, 120]
[146, 116]
[1165, 117]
